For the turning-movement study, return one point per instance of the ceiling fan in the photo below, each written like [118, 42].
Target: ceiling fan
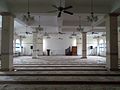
[61, 9]
[94, 32]
[73, 34]
[61, 33]
[23, 36]
[60, 38]
[27, 33]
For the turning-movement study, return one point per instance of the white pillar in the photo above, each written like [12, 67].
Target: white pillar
[34, 54]
[40, 45]
[112, 42]
[84, 45]
[7, 42]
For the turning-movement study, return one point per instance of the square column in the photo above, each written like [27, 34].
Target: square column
[84, 42]
[7, 42]
[40, 45]
[34, 54]
[112, 42]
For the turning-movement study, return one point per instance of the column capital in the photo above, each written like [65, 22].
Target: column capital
[7, 14]
[83, 32]
[34, 32]
[114, 14]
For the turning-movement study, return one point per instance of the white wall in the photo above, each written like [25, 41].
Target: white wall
[79, 45]
[91, 42]
[104, 52]
[56, 45]
[26, 43]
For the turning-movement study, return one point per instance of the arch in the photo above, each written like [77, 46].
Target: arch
[101, 41]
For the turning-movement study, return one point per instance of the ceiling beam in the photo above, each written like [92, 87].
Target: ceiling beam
[100, 20]
[116, 7]
[38, 8]
[3, 6]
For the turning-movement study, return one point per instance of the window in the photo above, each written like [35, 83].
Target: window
[18, 47]
[102, 46]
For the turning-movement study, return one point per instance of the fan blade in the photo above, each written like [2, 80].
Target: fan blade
[68, 12]
[54, 6]
[59, 15]
[61, 33]
[26, 32]
[67, 7]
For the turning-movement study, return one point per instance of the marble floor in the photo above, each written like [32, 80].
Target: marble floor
[59, 60]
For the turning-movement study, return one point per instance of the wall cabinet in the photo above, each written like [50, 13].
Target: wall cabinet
[74, 50]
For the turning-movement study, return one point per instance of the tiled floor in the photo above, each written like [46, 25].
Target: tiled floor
[61, 60]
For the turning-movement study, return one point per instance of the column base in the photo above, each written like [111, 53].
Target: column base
[6, 69]
[112, 69]
[83, 57]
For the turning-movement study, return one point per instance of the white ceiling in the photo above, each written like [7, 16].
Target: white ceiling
[51, 23]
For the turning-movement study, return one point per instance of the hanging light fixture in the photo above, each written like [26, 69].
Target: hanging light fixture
[73, 34]
[39, 28]
[79, 26]
[70, 37]
[28, 18]
[92, 17]
[46, 34]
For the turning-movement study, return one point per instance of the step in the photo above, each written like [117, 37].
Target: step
[60, 69]
[60, 65]
[59, 80]
[18, 74]
[62, 82]
[59, 87]
[61, 73]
